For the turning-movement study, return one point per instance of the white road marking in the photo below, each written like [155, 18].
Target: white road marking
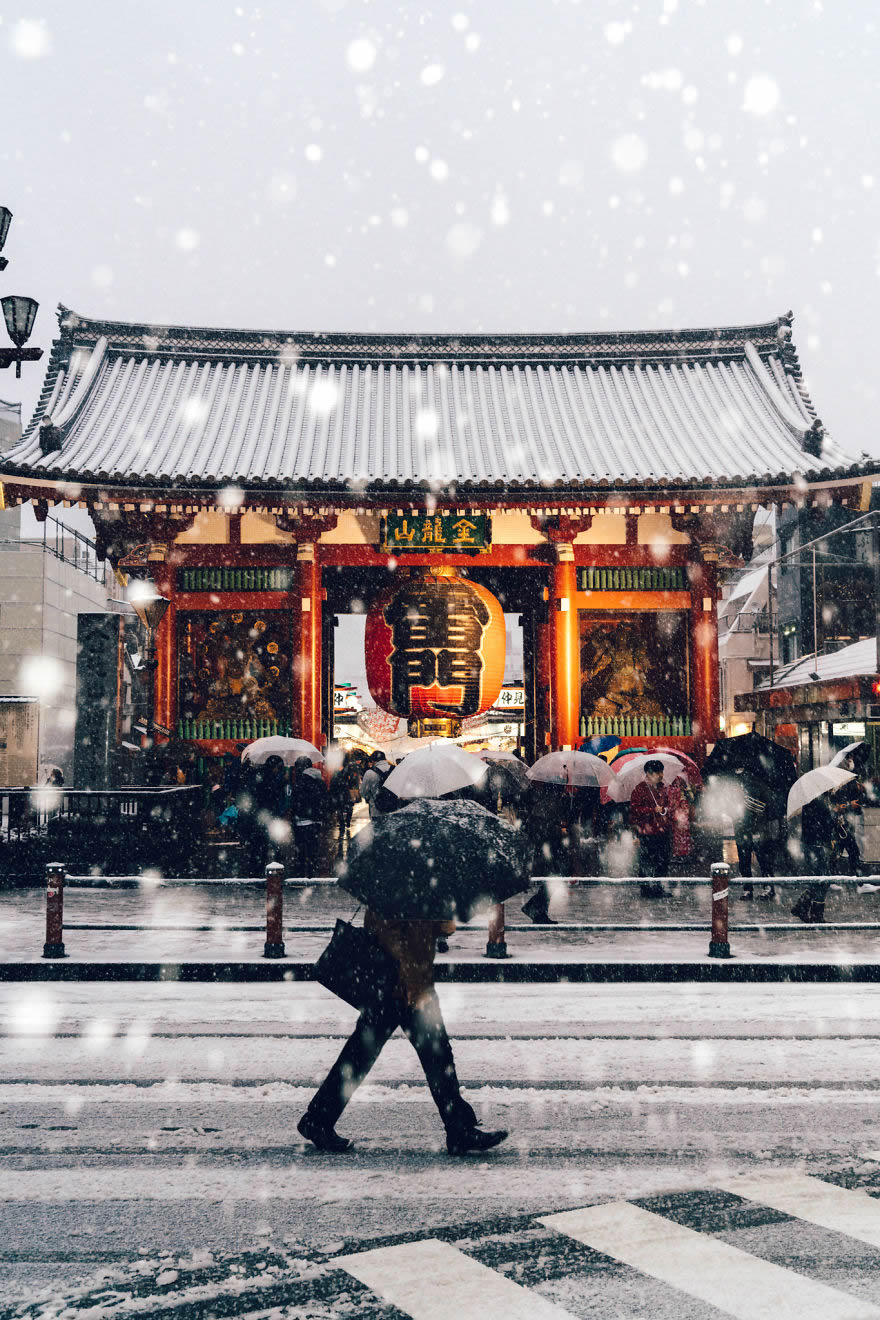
[432, 1280]
[841, 1209]
[731, 1280]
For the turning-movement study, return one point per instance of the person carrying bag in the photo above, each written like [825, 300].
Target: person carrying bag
[403, 998]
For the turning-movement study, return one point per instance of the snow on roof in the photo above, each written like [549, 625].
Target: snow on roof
[853, 661]
[165, 406]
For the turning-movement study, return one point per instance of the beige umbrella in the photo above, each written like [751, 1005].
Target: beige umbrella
[824, 779]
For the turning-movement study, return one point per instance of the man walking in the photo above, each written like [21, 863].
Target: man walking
[650, 816]
[416, 1008]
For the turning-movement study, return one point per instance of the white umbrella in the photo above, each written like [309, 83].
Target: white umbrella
[633, 773]
[573, 769]
[289, 749]
[845, 752]
[432, 771]
[824, 779]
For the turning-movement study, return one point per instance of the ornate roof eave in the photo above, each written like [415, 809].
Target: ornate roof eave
[764, 491]
[621, 347]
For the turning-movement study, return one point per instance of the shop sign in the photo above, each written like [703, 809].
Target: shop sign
[445, 532]
[510, 698]
[854, 729]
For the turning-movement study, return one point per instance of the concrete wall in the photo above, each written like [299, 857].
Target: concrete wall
[40, 598]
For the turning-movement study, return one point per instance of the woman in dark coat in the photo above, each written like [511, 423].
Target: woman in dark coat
[415, 1007]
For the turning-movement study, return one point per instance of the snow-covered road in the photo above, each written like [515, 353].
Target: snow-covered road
[162, 1117]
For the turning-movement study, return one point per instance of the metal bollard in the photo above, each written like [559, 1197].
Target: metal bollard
[496, 946]
[54, 946]
[274, 946]
[719, 945]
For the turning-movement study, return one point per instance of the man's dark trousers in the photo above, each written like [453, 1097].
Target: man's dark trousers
[426, 1031]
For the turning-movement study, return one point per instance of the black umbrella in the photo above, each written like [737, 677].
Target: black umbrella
[435, 861]
[503, 781]
[754, 755]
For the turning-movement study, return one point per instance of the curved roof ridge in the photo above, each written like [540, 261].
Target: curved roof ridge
[578, 346]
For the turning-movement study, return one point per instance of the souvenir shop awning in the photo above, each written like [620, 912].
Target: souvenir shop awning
[157, 407]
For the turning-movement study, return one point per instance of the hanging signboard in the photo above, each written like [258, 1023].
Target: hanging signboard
[446, 532]
[19, 741]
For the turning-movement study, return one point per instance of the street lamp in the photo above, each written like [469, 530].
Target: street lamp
[150, 606]
[5, 218]
[19, 313]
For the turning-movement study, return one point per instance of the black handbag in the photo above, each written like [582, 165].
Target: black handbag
[356, 968]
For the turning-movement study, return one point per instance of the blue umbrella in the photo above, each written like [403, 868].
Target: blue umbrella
[601, 742]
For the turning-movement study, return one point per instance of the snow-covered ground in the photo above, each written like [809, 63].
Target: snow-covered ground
[161, 1118]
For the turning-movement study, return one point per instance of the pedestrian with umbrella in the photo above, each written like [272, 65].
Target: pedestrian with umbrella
[650, 816]
[562, 805]
[808, 798]
[752, 775]
[417, 869]
[849, 803]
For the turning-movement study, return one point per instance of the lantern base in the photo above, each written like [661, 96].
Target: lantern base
[433, 727]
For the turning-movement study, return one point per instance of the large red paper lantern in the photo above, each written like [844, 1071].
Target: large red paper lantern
[435, 646]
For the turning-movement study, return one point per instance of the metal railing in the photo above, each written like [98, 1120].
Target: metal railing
[273, 928]
[71, 547]
[98, 828]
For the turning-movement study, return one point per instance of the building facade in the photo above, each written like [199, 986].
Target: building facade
[599, 486]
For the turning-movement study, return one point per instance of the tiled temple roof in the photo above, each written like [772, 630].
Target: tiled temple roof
[150, 406]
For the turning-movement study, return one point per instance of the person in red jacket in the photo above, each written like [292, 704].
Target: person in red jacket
[651, 819]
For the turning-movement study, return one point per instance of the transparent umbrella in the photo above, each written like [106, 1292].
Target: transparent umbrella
[431, 772]
[289, 749]
[824, 779]
[572, 770]
[633, 773]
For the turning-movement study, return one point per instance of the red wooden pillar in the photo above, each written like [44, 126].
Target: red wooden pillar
[307, 639]
[565, 673]
[165, 641]
[542, 660]
[705, 704]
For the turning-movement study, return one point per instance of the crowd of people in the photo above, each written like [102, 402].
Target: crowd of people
[302, 815]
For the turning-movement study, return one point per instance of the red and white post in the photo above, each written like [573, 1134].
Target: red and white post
[274, 946]
[54, 946]
[719, 944]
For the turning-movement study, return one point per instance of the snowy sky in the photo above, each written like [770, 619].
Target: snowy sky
[502, 164]
[510, 165]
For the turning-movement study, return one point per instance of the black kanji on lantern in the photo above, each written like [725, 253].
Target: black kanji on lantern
[437, 637]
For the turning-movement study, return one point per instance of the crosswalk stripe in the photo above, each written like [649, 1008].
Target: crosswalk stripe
[844, 1210]
[432, 1280]
[731, 1280]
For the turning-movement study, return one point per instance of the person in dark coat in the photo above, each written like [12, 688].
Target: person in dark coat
[817, 829]
[309, 804]
[263, 813]
[545, 824]
[415, 1007]
[759, 831]
[650, 818]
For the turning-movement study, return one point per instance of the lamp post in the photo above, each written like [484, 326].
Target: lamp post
[150, 606]
[19, 313]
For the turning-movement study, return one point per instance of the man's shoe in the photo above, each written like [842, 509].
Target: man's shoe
[801, 908]
[767, 893]
[325, 1138]
[473, 1140]
[537, 912]
[748, 892]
